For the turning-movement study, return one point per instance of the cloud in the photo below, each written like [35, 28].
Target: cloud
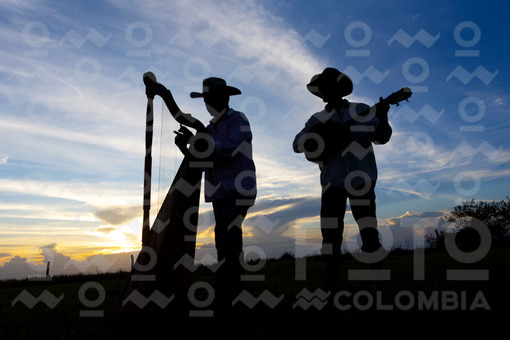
[118, 215]
[416, 165]
[412, 227]
[260, 241]
[283, 211]
[18, 268]
[273, 57]
[106, 230]
[267, 229]
[96, 194]
[274, 226]
[93, 138]
[60, 264]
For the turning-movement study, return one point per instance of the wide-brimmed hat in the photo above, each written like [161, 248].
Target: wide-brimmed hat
[330, 77]
[213, 84]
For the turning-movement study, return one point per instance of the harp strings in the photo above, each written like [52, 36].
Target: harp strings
[168, 156]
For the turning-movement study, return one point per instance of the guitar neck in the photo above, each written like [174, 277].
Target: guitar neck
[393, 99]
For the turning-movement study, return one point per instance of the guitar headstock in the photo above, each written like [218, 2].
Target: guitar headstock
[402, 94]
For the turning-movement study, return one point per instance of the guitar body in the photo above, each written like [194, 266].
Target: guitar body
[162, 272]
[325, 139]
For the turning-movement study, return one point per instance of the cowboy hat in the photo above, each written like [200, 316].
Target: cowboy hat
[330, 77]
[213, 84]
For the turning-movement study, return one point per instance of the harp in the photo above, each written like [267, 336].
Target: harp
[162, 273]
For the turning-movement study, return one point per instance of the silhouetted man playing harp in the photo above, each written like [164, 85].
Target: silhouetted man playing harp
[342, 135]
[230, 180]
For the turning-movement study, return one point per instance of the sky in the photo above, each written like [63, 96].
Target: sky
[73, 105]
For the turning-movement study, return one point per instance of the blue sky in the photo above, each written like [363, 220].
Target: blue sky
[72, 111]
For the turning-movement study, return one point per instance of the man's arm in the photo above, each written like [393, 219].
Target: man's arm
[299, 141]
[201, 146]
[153, 88]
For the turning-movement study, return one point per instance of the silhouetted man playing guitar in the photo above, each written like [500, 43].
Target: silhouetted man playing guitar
[339, 139]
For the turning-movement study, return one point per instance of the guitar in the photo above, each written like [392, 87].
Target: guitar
[325, 139]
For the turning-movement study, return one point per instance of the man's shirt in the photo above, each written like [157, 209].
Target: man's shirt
[233, 167]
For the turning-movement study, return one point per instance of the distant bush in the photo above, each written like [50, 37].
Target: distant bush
[436, 241]
[287, 256]
[470, 218]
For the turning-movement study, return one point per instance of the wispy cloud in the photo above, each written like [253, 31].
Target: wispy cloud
[117, 215]
[121, 143]
[100, 194]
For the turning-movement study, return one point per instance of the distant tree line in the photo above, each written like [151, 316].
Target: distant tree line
[475, 221]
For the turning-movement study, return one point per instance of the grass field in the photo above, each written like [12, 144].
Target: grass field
[77, 307]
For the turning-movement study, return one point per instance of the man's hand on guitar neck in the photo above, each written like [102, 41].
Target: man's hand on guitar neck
[384, 131]
[382, 108]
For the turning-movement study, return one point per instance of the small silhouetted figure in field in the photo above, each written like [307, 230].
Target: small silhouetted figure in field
[343, 134]
[230, 180]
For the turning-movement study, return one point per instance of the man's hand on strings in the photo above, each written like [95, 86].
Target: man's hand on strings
[182, 137]
[181, 142]
[185, 132]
